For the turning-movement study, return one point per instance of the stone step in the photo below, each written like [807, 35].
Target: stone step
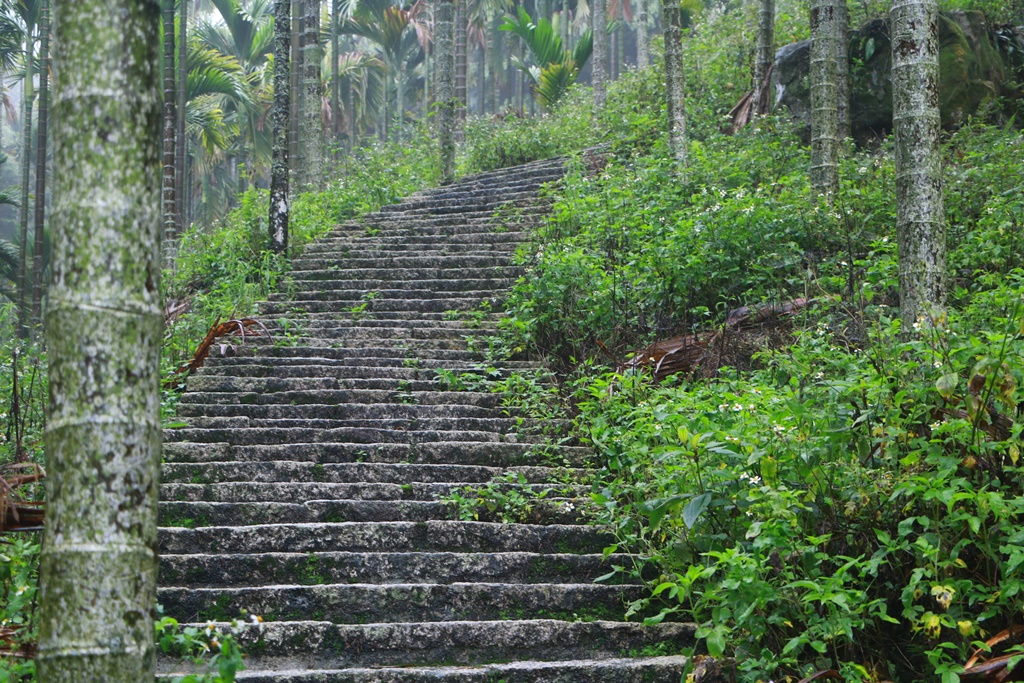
[200, 383]
[201, 570]
[263, 397]
[345, 412]
[434, 536]
[452, 301]
[273, 358]
[489, 454]
[499, 426]
[269, 353]
[498, 255]
[385, 290]
[432, 234]
[646, 670]
[193, 514]
[323, 338]
[449, 208]
[291, 491]
[325, 278]
[389, 473]
[310, 645]
[340, 370]
[258, 436]
[401, 603]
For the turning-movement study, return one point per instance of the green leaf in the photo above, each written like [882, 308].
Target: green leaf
[716, 643]
[946, 384]
[695, 508]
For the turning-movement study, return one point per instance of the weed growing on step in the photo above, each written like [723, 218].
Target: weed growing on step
[361, 311]
[214, 649]
[290, 332]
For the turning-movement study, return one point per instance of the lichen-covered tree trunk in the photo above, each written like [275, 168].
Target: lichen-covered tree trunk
[764, 53]
[40, 198]
[279, 200]
[26, 175]
[182, 186]
[445, 74]
[104, 327]
[564, 25]
[920, 224]
[824, 99]
[170, 126]
[481, 73]
[675, 79]
[461, 63]
[599, 63]
[335, 81]
[643, 36]
[842, 69]
[311, 172]
[294, 148]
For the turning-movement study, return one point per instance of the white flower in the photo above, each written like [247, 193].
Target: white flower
[862, 169]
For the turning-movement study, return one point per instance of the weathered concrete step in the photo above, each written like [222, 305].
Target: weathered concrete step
[282, 353]
[199, 383]
[498, 255]
[491, 454]
[311, 645]
[389, 473]
[437, 227]
[257, 436]
[193, 514]
[645, 670]
[471, 537]
[453, 208]
[398, 603]
[346, 412]
[381, 287]
[467, 196]
[403, 274]
[332, 397]
[453, 301]
[453, 325]
[413, 425]
[337, 370]
[291, 491]
[328, 359]
[322, 338]
[381, 568]
[389, 318]
[433, 236]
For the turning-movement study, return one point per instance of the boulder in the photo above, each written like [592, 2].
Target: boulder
[976, 64]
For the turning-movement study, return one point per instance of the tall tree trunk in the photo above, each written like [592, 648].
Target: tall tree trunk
[824, 113]
[170, 127]
[494, 92]
[98, 560]
[481, 73]
[843, 68]
[27, 95]
[294, 148]
[643, 36]
[40, 208]
[764, 54]
[520, 80]
[564, 24]
[445, 67]
[920, 225]
[335, 82]
[350, 110]
[182, 196]
[279, 199]
[312, 138]
[460, 64]
[400, 101]
[674, 79]
[599, 62]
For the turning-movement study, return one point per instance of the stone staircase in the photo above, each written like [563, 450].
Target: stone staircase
[305, 485]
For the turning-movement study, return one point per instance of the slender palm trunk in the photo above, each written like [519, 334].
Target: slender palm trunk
[843, 68]
[170, 127]
[279, 200]
[565, 24]
[920, 225]
[350, 110]
[824, 113]
[460, 64]
[26, 175]
[643, 36]
[182, 195]
[400, 97]
[294, 148]
[446, 87]
[98, 559]
[764, 54]
[335, 82]
[674, 79]
[312, 138]
[494, 92]
[599, 63]
[40, 208]
[481, 72]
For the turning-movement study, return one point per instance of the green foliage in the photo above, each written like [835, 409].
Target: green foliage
[552, 69]
[213, 649]
[19, 588]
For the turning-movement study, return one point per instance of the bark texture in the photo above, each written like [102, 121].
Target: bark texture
[824, 99]
[294, 149]
[104, 329]
[920, 225]
[170, 125]
[335, 81]
[312, 138]
[599, 63]
[843, 69]
[279, 200]
[460, 63]
[643, 35]
[40, 207]
[764, 53]
[674, 79]
[181, 184]
[26, 174]
[445, 66]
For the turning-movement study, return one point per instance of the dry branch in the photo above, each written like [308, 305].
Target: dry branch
[240, 327]
[16, 513]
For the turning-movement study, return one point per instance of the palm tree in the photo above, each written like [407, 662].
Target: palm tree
[40, 208]
[552, 70]
[279, 195]
[28, 13]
